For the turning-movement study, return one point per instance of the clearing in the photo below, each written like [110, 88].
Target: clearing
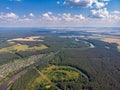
[21, 47]
[112, 40]
[32, 38]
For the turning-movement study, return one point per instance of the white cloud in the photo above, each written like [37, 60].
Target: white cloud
[105, 0]
[100, 4]
[79, 16]
[71, 18]
[8, 16]
[116, 12]
[101, 13]
[85, 3]
[115, 15]
[31, 15]
[25, 19]
[58, 2]
[11, 15]
[100, 17]
[79, 3]
[67, 17]
[47, 16]
[49, 12]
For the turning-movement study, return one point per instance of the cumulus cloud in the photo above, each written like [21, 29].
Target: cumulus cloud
[67, 17]
[46, 16]
[100, 13]
[100, 4]
[31, 15]
[79, 16]
[103, 13]
[8, 16]
[115, 15]
[116, 12]
[100, 17]
[11, 15]
[79, 3]
[85, 3]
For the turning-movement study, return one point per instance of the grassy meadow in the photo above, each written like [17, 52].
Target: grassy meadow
[20, 47]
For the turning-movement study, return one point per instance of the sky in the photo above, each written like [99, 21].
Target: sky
[59, 13]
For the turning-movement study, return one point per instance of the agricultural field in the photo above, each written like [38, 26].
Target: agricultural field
[32, 38]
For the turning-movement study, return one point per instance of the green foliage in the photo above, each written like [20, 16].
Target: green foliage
[43, 87]
[47, 78]
[21, 47]
[99, 64]
[23, 82]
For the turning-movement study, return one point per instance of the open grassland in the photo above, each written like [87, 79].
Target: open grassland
[63, 73]
[20, 47]
[50, 77]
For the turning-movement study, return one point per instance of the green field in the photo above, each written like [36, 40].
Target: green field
[20, 47]
[49, 76]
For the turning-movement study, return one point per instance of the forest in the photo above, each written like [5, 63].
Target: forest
[76, 66]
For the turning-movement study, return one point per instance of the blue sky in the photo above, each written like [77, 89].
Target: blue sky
[59, 13]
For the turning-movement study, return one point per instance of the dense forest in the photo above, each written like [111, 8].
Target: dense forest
[76, 66]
